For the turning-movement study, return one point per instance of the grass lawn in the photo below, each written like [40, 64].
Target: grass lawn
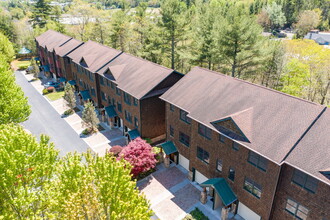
[55, 95]
[23, 64]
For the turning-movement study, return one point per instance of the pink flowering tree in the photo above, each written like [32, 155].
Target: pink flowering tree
[140, 155]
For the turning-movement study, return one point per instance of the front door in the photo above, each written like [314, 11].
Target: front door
[193, 170]
[172, 158]
[117, 122]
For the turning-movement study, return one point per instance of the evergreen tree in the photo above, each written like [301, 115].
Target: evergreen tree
[120, 27]
[273, 63]
[238, 43]
[40, 13]
[173, 22]
[290, 11]
[140, 28]
[89, 117]
[153, 48]
[69, 97]
[207, 14]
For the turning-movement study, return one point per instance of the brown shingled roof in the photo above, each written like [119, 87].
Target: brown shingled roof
[67, 47]
[276, 122]
[94, 54]
[312, 153]
[52, 39]
[134, 75]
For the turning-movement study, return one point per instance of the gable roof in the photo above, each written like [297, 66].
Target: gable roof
[312, 153]
[276, 123]
[242, 121]
[134, 75]
[52, 39]
[94, 54]
[67, 47]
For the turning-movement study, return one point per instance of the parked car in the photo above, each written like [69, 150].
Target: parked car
[52, 84]
[279, 34]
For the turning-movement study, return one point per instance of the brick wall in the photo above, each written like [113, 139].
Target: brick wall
[152, 117]
[317, 203]
[230, 158]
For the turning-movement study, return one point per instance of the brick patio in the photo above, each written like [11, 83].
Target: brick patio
[171, 194]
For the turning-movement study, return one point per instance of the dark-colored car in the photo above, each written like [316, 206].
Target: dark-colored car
[52, 84]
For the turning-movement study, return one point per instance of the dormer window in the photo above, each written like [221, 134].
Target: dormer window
[83, 62]
[184, 117]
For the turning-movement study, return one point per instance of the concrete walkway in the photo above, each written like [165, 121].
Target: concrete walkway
[99, 142]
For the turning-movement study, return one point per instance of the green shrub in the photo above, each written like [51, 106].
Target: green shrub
[23, 66]
[50, 89]
[198, 215]
[188, 217]
[68, 112]
[45, 91]
[87, 131]
[148, 140]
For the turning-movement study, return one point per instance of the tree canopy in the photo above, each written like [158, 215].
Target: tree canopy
[14, 105]
[35, 183]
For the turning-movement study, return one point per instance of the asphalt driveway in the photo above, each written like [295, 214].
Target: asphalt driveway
[45, 120]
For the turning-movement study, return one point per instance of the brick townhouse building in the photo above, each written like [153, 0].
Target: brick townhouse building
[47, 44]
[260, 153]
[129, 90]
[251, 146]
[64, 62]
[124, 88]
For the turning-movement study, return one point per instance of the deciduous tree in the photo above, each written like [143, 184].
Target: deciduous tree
[307, 20]
[140, 155]
[6, 48]
[35, 183]
[13, 104]
[35, 68]
[69, 96]
[295, 78]
[89, 117]
[26, 170]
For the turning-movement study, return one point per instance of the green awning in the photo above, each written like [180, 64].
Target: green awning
[46, 68]
[72, 82]
[169, 147]
[222, 189]
[133, 134]
[110, 111]
[85, 95]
